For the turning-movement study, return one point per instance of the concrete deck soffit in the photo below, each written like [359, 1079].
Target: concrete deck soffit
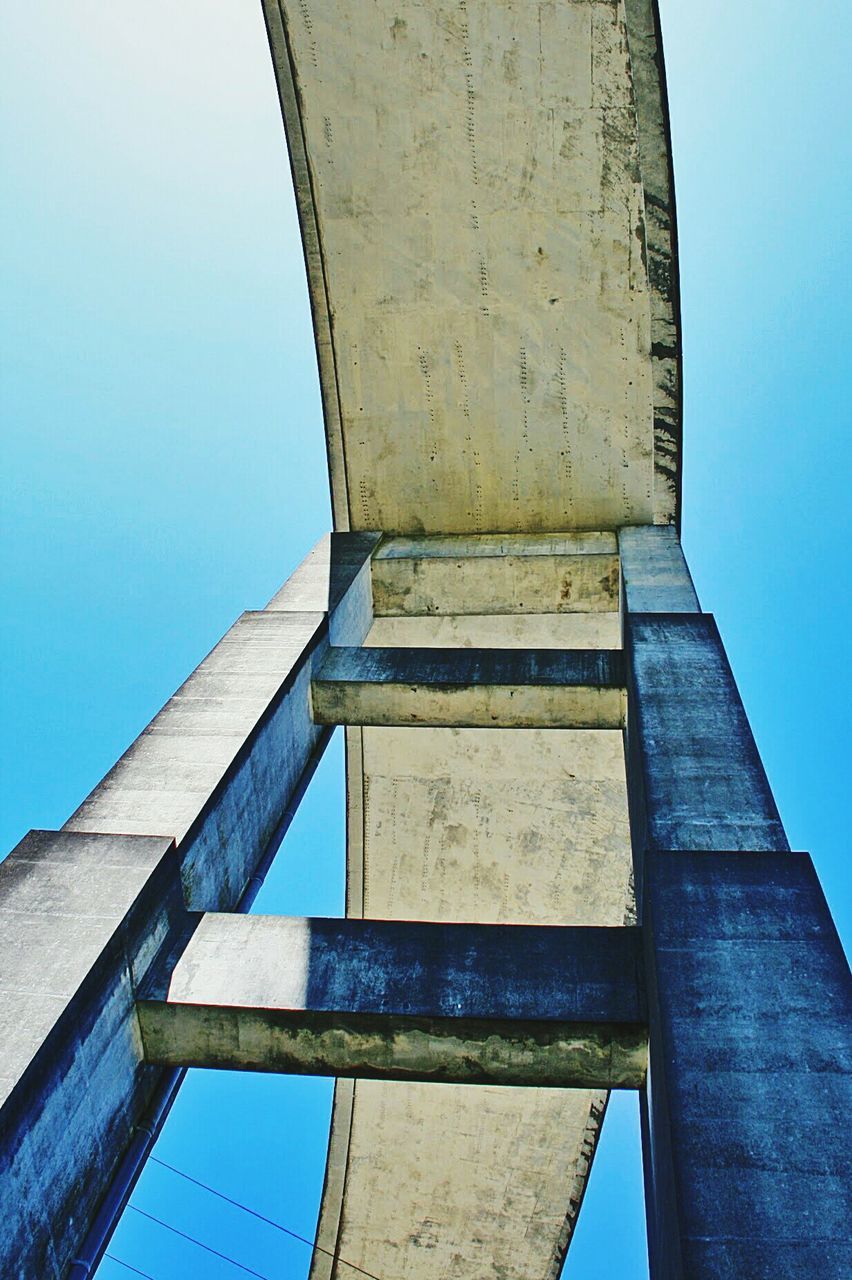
[486, 206]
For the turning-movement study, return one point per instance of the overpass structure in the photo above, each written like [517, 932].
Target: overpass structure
[566, 872]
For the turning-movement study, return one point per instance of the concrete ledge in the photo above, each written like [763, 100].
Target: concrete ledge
[478, 688]
[386, 999]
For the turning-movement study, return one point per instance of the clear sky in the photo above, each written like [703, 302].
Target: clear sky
[164, 469]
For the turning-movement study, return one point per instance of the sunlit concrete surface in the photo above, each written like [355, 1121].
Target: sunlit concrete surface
[484, 195]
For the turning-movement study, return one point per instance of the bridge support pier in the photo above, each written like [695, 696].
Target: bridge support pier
[746, 1113]
[728, 1007]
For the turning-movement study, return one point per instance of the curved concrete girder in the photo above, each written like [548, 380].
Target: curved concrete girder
[485, 197]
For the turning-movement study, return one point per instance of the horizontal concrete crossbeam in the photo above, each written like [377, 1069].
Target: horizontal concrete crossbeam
[494, 574]
[479, 688]
[388, 999]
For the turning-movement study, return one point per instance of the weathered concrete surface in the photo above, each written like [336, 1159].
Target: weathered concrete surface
[521, 688]
[470, 1003]
[699, 780]
[500, 631]
[334, 578]
[655, 577]
[491, 574]
[82, 918]
[749, 1168]
[214, 774]
[497, 350]
[216, 767]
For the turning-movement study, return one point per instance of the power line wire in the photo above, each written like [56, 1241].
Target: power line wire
[312, 1244]
[199, 1243]
[122, 1263]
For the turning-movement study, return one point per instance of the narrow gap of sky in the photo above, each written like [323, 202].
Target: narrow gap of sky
[164, 466]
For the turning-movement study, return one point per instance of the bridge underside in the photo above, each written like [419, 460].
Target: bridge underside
[487, 216]
[484, 188]
[485, 201]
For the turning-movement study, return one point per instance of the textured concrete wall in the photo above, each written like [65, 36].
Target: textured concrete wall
[704, 782]
[497, 575]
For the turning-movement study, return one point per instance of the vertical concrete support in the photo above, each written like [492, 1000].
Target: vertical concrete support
[82, 918]
[745, 1146]
[655, 577]
[748, 1159]
[702, 779]
[216, 767]
[183, 820]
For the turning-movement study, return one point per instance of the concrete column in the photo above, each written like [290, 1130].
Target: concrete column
[183, 819]
[746, 1151]
[82, 918]
[655, 577]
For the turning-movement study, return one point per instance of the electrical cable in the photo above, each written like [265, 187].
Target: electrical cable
[122, 1263]
[312, 1244]
[200, 1243]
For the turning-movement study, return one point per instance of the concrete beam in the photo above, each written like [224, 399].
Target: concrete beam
[745, 1121]
[655, 577]
[387, 999]
[216, 767]
[496, 574]
[483, 688]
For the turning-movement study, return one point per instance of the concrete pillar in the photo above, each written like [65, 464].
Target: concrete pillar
[183, 819]
[82, 918]
[745, 1117]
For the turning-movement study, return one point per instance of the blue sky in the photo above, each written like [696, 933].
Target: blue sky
[164, 466]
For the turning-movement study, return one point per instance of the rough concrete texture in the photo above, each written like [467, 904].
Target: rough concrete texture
[470, 1003]
[334, 578]
[489, 324]
[190, 775]
[216, 767]
[82, 918]
[655, 577]
[519, 688]
[500, 631]
[84, 909]
[751, 1070]
[702, 780]
[473, 824]
[489, 574]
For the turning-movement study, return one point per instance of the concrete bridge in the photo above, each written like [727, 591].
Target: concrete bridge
[565, 869]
